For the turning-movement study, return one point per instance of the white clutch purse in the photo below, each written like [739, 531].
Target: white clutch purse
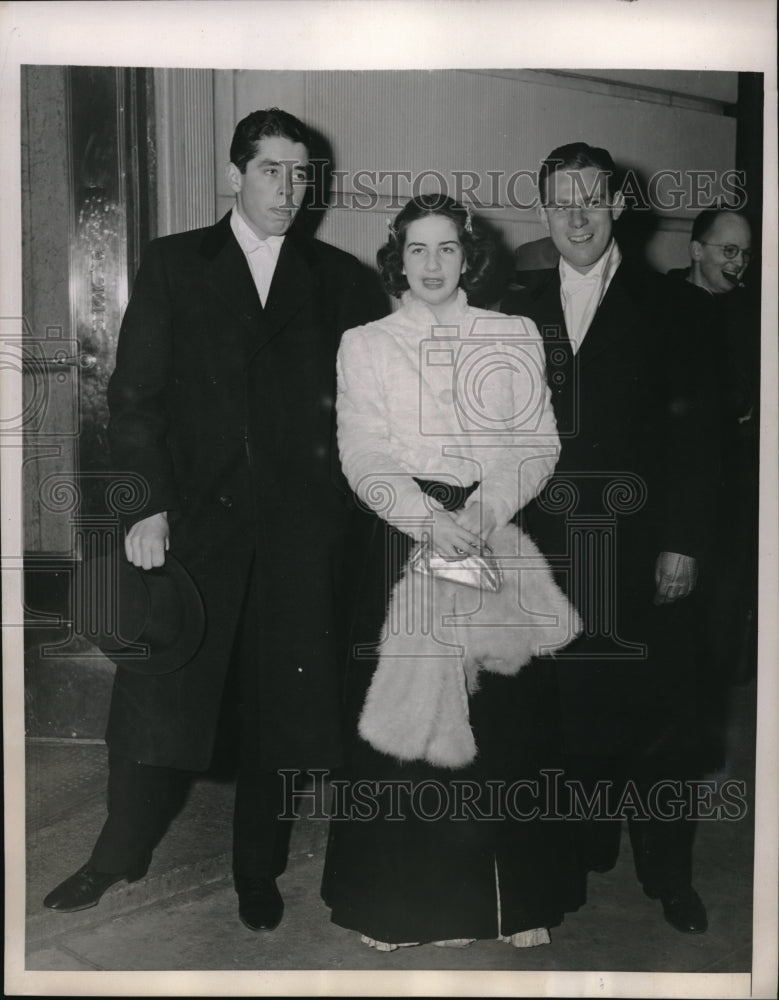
[478, 570]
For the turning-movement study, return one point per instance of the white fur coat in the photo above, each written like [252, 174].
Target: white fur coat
[438, 636]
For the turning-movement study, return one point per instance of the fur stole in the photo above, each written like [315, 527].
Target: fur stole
[438, 636]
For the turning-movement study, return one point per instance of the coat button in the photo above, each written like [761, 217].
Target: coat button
[226, 500]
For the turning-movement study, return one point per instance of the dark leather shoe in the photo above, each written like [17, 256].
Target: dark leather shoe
[600, 845]
[602, 867]
[85, 888]
[260, 905]
[683, 909]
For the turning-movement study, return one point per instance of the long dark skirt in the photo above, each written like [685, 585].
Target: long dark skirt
[417, 853]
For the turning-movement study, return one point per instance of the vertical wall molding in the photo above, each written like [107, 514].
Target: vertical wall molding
[493, 126]
[184, 120]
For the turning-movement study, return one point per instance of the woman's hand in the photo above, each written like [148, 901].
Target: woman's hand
[451, 539]
[478, 519]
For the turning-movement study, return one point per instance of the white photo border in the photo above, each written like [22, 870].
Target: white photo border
[392, 34]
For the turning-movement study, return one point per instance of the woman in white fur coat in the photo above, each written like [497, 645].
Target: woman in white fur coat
[446, 431]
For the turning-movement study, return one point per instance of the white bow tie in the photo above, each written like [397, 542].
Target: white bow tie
[576, 281]
[267, 244]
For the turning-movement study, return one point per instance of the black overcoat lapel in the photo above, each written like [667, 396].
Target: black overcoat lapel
[294, 283]
[230, 280]
[229, 277]
[550, 319]
[613, 318]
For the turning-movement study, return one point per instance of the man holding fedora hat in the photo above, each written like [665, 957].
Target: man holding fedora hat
[221, 405]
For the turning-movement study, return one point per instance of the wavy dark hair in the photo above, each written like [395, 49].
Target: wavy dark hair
[269, 123]
[577, 156]
[480, 251]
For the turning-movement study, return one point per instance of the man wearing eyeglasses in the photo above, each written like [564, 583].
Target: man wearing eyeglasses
[702, 296]
[718, 308]
[720, 250]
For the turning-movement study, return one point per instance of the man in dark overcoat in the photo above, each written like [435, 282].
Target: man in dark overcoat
[623, 520]
[222, 401]
[719, 306]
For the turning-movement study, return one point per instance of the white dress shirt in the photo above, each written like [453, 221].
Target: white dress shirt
[262, 255]
[581, 294]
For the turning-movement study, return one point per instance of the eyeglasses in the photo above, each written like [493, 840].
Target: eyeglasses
[731, 251]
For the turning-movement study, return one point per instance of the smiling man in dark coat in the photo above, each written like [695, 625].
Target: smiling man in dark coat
[624, 520]
[222, 401]
[721, 309]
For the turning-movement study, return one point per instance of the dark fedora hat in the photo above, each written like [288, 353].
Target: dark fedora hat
[148, 621]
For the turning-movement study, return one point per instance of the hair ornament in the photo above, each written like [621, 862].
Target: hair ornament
[391, 227]
[468, 227]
